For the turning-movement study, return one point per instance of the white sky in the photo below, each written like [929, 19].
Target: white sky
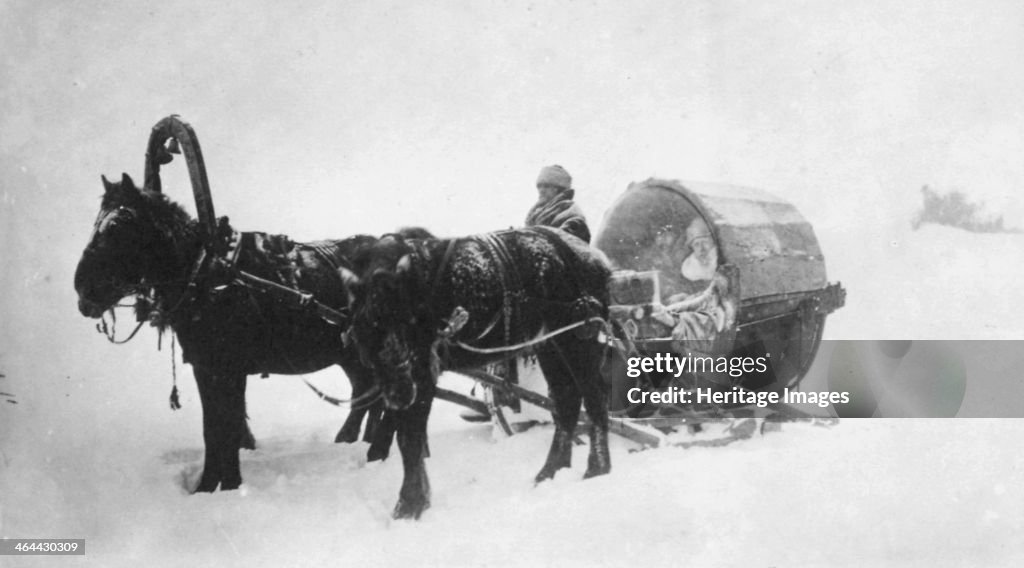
[329, 119]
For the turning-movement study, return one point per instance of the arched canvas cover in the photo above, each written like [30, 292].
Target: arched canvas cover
[768, 241]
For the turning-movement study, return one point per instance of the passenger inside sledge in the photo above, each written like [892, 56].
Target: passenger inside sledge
[667, 282]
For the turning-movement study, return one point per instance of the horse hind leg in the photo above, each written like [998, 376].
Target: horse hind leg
[247, 440]
[566, 396]
[595, 400]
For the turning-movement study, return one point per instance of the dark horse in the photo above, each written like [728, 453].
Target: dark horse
[143, 243]
[514, 285]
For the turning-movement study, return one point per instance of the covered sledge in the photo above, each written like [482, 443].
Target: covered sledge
[707, 270]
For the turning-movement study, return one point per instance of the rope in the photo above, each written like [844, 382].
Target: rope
[111, 332]
[175, 403]
[534, 341]
[324, 396]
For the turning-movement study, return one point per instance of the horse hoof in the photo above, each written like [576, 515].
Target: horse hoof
[543, 476]
[597, 464]
[596, 471]
[346, 436]
[230, 485]
[409, 510]
[206, 485]
[377, 454]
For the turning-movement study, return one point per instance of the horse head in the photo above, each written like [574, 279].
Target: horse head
[133, 245]
[383, 293]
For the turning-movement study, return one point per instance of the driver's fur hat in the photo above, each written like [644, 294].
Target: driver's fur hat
[556, 176]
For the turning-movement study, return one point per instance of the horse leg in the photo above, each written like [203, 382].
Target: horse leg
[223, 401]
[247, 441]
[361, 378]
[349, 431]
[414, 497]
[595, 400]
[383, 434]
[374, 419]
[564, 393]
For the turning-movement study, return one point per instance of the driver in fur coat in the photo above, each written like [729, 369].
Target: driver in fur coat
[555, 206]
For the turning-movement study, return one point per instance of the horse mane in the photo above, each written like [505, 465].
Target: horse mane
[167, 216]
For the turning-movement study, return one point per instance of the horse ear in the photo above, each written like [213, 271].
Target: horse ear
[126, 181]
[404, 264]
[107, 186]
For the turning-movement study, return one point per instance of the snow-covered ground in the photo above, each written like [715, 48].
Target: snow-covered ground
[91, 451]
[863, 492]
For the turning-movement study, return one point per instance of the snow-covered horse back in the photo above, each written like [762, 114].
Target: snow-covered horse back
[514, 285]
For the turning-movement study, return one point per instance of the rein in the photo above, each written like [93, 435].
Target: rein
[110, 332]
[534, 341]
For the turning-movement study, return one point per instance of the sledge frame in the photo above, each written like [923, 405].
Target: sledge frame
[769, 255]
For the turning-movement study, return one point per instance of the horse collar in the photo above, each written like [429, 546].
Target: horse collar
[208, 261]
[448, 251]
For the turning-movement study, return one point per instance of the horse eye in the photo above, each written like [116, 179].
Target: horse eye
[115, 223]
[122, 217]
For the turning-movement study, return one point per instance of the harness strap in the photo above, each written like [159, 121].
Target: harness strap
[229, 264]
[329, 314]
[511, 285]
[532, 342]
[500, 252]
[191, 286]
[448, 252]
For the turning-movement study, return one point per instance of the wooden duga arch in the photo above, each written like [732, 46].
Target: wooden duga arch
[159, 152]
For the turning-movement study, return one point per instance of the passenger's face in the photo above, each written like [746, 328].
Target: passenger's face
[702, 245]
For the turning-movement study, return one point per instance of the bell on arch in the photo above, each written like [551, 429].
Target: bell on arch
[164, 152]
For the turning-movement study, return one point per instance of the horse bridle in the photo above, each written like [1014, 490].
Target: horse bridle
[142, 287]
